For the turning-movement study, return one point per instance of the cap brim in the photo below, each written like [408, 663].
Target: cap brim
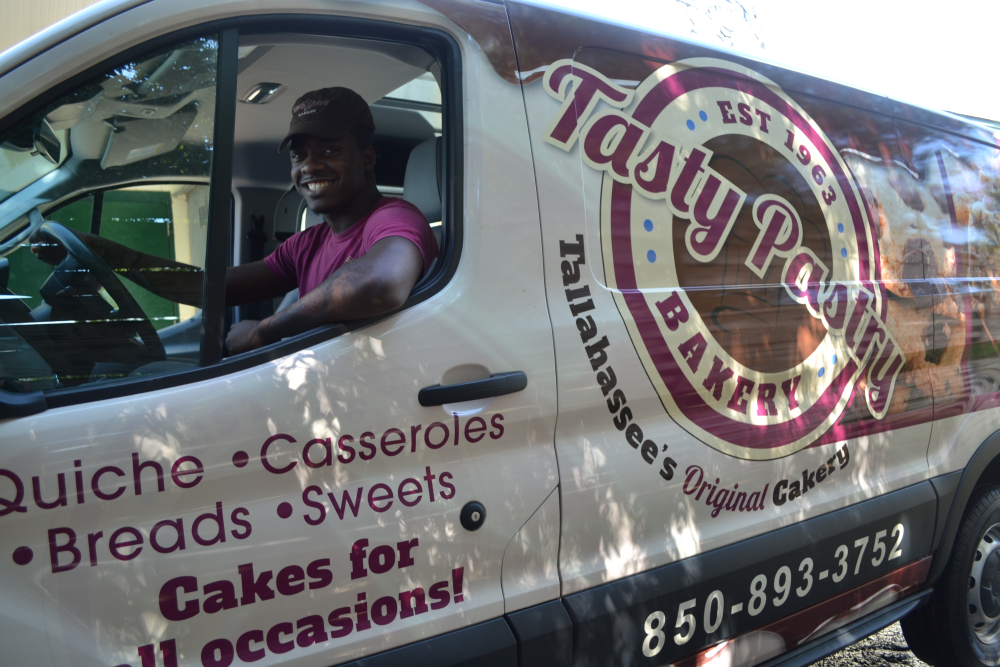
[324, 129]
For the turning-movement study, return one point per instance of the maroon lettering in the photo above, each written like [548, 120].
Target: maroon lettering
[763, 118]
[475, 429]
[169, 599]
[789, 386]
[881, 376]
[765, 400]
[726, 109]
[427, 435]
[611, 139]
[344, 447]
[709, 232]
[741, 395]
[96, 480]
[374, 500]
[780, 233]
[178, 526]
[496, 422]
[587, 88]
[327, 459]
[745, 117]
[835, 307]
[70, 546]
[653, 173]
[412, 602]
[61, 500]
[692, 350]
[247, 653]
[693, 165]
[116, 543]
[263, 454]
[15, 504]
[403, 493]
[290, 580]
[717, 377]
[393, 438]
[274, 643]
[673, 311]
[137, 469]
[347, 504]
[312, 631]
[220, 535]
[254, 589]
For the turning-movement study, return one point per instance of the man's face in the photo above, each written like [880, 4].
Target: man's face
[329, 173]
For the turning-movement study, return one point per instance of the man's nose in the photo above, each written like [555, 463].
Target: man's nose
[307, 165]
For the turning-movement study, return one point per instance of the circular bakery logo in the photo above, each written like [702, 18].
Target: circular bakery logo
[738, 248]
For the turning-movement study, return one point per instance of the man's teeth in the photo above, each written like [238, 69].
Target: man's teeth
[317, 185]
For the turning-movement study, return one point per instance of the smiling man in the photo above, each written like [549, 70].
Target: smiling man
[370, 251]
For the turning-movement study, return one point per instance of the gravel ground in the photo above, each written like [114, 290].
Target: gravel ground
[884, 649]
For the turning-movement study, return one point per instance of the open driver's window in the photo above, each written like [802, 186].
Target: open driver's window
[402, 85]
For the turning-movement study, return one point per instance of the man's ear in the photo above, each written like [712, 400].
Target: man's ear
[370, 158]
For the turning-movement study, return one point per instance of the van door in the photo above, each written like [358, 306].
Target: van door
[729, 361]
[956, 183]
[309, 502]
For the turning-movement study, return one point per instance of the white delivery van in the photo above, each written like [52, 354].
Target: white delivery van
[706, 371]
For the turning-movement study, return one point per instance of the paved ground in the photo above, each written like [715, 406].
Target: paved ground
[885, 649]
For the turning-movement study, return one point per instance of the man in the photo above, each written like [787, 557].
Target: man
[362, 262]
[369, 253]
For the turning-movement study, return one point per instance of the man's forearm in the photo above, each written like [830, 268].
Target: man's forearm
[166, 278]
[352, 293]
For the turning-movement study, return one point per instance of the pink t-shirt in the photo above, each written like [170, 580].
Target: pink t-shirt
[311, 256]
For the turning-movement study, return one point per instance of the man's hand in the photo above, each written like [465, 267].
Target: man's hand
[46, 251]
[243, 337]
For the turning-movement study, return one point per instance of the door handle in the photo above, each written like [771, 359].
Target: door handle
[21, 405]
[495, 385]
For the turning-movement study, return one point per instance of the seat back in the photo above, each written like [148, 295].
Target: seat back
[422, 182]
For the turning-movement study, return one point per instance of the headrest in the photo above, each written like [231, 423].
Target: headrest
[422, 182]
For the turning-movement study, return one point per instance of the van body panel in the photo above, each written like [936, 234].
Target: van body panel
[274, 501]
[627, 505]
[600, 613]
[757, 312]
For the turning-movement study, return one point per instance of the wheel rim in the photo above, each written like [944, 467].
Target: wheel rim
[984, 588]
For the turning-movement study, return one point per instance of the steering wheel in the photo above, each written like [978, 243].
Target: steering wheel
[128, 308]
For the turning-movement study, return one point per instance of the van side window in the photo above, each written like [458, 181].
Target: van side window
[103, 224]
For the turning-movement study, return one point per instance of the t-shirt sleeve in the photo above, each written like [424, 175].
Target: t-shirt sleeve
[401, 218]
[282, 261]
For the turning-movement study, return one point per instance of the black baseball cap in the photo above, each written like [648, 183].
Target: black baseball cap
[329, 113]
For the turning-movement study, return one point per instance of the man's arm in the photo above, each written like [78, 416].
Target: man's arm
[374, 284]
[249, 283]
[174, 281]
[171, 280]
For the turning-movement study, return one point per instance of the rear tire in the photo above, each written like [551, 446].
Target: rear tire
[918, 629]
[962, 622]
